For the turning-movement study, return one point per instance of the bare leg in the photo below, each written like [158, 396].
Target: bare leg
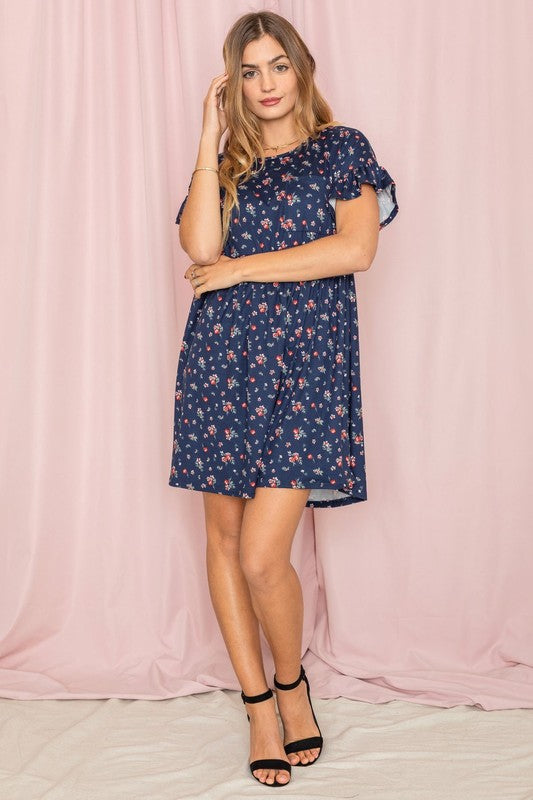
[238, 623]
[269, 523]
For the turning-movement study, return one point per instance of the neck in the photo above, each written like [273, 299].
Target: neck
[278, 131]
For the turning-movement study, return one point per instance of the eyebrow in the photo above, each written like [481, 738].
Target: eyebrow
[268, 62]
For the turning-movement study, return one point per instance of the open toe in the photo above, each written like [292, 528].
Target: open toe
[266, 763]
[301, 747]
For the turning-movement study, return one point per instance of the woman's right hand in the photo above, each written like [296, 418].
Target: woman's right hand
[214, 121]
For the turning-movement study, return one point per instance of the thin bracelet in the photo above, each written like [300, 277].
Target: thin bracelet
[199, 168]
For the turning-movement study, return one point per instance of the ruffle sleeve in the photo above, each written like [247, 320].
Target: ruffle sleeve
[182, 206]
[353, 162]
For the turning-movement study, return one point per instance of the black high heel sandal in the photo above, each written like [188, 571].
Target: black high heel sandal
[266, 763]
[310, 742]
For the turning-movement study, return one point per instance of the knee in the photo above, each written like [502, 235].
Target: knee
[263, 570]
[223, 541]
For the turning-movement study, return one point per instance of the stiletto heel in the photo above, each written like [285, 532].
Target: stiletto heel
[266, 763]
[310, 742]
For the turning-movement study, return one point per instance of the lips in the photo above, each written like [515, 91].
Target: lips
[271, 101]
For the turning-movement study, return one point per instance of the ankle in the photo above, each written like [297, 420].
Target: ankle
[261, 710]
[290, 678]
[287, 678]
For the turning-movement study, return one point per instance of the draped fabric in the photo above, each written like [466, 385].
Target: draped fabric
[421, 593]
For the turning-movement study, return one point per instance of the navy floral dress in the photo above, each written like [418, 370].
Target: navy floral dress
[268, 389]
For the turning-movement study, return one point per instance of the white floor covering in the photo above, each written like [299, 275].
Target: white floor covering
[197, 746]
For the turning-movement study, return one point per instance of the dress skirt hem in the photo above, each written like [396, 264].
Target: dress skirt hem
[348, 500]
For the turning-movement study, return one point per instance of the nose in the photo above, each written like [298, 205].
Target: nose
[267, 84]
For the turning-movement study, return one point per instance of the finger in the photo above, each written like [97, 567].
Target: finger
[220, 79]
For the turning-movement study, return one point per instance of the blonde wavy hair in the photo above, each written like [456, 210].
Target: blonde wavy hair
[312, 114]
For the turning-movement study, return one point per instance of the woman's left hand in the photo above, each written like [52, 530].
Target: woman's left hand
[208, 277]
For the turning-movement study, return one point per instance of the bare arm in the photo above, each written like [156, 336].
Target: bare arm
[351, 249]
[200, 225]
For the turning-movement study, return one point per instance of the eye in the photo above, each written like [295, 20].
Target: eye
[284, 68]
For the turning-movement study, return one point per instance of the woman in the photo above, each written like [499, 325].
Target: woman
[268, 415]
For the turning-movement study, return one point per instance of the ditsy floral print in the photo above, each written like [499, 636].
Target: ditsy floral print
[268, 389]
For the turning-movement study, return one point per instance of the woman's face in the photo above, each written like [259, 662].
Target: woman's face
[268, 73]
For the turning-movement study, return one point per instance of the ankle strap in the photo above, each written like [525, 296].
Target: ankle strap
[257, 698]
[293, 685]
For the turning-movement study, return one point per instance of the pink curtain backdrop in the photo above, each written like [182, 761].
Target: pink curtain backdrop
[423, 592]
